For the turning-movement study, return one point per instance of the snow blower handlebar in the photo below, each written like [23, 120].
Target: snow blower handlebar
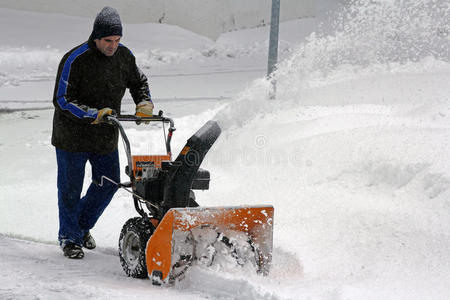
[116, 120]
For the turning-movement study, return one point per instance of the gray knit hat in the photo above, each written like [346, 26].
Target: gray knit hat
[107, 23]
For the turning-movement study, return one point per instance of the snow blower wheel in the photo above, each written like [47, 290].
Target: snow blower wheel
[132, 243]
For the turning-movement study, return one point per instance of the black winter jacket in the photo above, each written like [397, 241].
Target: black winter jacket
[87, 81]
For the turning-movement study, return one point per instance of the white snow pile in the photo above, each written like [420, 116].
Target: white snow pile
[19, 64]
[353, 154]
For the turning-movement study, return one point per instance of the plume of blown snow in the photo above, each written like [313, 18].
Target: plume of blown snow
[369, 37]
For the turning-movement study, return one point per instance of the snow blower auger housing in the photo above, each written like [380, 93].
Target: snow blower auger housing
[172, 231]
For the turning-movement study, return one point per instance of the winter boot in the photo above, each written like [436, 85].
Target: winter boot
[73, 251]
[88, 241]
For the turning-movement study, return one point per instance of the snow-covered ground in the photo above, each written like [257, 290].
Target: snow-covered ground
[353, 154]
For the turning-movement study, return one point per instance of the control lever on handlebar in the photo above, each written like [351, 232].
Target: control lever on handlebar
[106, 118]
[117, 119]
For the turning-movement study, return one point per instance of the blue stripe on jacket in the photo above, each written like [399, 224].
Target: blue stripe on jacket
[63, 83]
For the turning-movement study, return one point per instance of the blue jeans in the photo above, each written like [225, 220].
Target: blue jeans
[78, 215]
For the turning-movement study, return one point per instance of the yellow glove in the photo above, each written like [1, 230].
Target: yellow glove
[101, 114]
[144, 109]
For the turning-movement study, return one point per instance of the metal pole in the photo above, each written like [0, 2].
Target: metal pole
[273, 45]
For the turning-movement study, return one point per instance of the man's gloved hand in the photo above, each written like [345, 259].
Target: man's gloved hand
[144, 109]
[101, 115]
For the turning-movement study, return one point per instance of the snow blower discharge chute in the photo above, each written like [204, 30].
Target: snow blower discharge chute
[173, 232]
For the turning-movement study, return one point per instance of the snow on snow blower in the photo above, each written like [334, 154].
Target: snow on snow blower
[173, 232]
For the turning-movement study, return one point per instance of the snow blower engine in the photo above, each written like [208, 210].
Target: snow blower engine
[173, 231]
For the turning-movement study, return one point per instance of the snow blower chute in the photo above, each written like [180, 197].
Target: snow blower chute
[173, 232]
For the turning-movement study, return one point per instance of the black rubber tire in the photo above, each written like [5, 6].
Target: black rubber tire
[132, 244]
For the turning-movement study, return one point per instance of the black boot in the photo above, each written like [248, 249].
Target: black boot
[73, 251]
[88, 241]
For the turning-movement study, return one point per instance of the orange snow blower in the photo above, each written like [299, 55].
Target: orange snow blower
[173, 232]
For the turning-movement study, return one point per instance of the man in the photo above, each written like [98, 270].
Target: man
[91, 81]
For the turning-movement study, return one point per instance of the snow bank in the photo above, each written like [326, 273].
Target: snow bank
[21, 65]
[209, 18]
[353, 153]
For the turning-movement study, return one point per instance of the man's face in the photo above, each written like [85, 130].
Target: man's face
[108, 45]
